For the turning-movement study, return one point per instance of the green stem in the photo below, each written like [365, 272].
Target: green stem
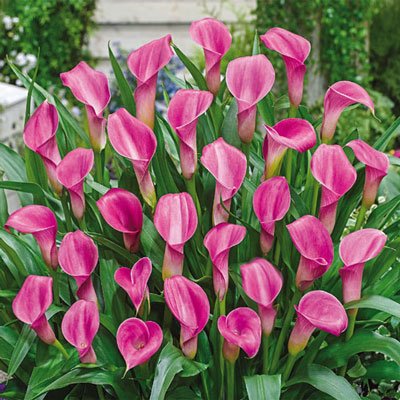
[315, 198]
[56, 286]
[265, 344]
[289, 161]
[352, 314]
[289, 366]
[292, 111]
[277, 253]
[222, 311]
[284, 331]
[82, 224]
[100, 392]
[167, 318]
[230, 380]
[98, 167]
[191, 188]
[360, 217]
[60, 347]
[67, 214]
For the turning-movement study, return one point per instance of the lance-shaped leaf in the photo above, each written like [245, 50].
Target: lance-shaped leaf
[184, 111]
[189, 304]
[122, 210]
[228, 166]
[175, 219]
[313, 242]
[249, 79]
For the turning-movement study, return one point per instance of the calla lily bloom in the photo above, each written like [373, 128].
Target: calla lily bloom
[144, 63]
[241, 329]
[294, 50]
[71, 172]
[189, 304]
[175, 219]
[134, 140]
[41, 222]
[262, 282]
[183, 112]
[91, 88]
[271, 202]
[138, 340]
[79, 327]
[376, 168]
[332, 169]
[40, 137]
[249, 79]
[313, 242]
[219, 241]
[122, 211]
[228, 166]
[339, 96]
[316, 310]
[291, 133]
[134, 281]
[31, 303]
[78, 256]
[216, 40]
[355, 250]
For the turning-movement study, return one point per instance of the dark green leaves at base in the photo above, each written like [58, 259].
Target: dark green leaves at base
[263, 387]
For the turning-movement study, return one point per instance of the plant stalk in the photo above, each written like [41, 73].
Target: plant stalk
[60, 347]
[67, 214]
[265, 344]
[98, 167]
[352, 314]
[230, 380]
[288, 368]
[361, 217]
[191, 188]
[315, 198]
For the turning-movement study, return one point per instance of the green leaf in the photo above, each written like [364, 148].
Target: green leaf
[229, 128]
[376, 303]
[383, 213]
[266, 109]
[325, 381]
[383, 370]
[385, 139]
[26, 187]
[263, 387]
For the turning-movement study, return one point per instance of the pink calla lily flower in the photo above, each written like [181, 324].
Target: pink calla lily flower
[262, 282]
[219, 241]
[134, 140]
[271, 202]
[339, 96]
[355, 250]
[228, 166]
[175, 219]
[241, 329]
[183, 112]
[31, 303]
[332, 169]
[134, 281]
[79, 327]
[122, 210]
[316, 310]
[291, 133]
[138, 341]
[216, 40]
[313, 242]
[71, 172]
[40, 137]
[376, 168]
[189, 304]
[41, 222]
[144, 63]
[78, 257]
[294, 50]
[91, 88]
[249, 79]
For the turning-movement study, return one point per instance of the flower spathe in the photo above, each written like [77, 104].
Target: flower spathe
[316, 310]
[175, 219]
[145, 63]
[271, 202]
[79, 327]
[339, 96]
[71, 172]
[294, 50]
[216, 40]
[228, 166]
[189, 304]
[291, 133]
[332, 169]
[241, 329]
[122, 210]
[78, 257]
[376, 168]
[219, 241]
[31, 303]
[185, 108]
[249, 79]
[138, 341]
[355, 250]
[313, 242]
[262, 282]
[134, 140]
[41, 222]
[40, 136]
[134, 281]
[91, 88]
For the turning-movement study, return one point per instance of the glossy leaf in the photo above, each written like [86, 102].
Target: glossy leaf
[263, 387]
